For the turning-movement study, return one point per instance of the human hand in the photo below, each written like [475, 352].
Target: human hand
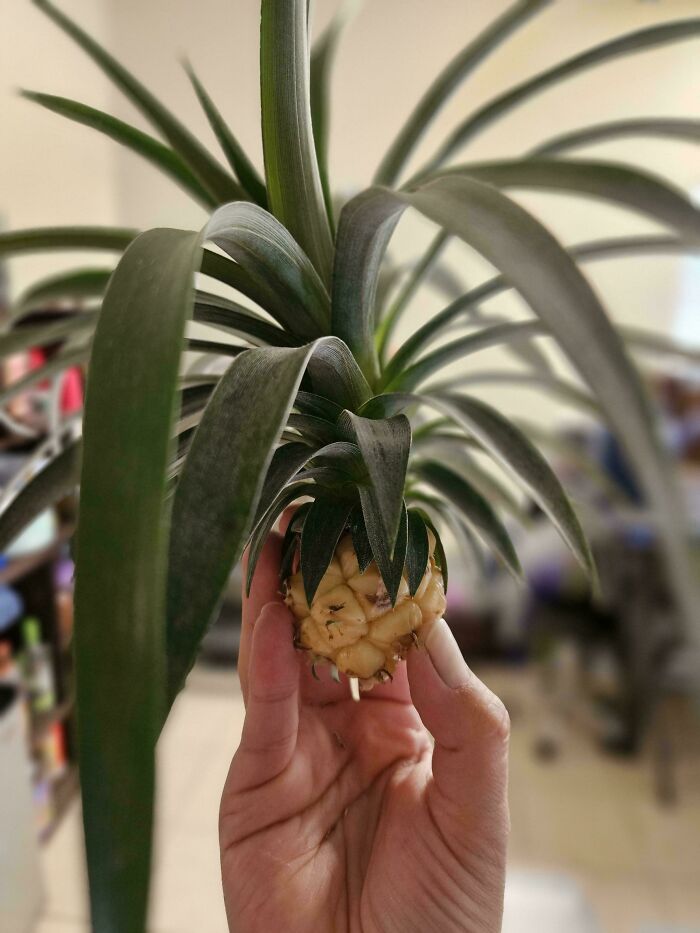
[340, 816]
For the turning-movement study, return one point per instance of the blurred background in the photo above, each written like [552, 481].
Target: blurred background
[603, 694]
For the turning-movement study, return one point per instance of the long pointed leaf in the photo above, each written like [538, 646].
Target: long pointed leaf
[154, 151]
[291, 168]
[390, 564]
[324, 524]
[40, 335]
[282, 274]
[321, 64]
[648, 38]
[551, 283]
[121, 680]
[447, 82]
[663, 127]
[40, 239]
[385, 446]
[512, 331]
[365, 228]
[219, 490]
[246, 172]
[629, 187]
[582, 252]
[420, 271]
[76, 285]
[526, 465]
[477, 510]
[417, 551]
[209, 172]
[59, 477]
[336, 376]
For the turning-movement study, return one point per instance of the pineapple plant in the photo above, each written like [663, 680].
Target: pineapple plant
[182, 465]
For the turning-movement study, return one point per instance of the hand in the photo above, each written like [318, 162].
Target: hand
[340, 816]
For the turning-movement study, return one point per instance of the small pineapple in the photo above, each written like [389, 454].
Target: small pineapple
[352, 621]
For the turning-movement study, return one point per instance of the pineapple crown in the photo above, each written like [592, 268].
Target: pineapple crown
[181, 467]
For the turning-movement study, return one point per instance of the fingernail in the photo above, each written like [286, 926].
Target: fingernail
[445, 654]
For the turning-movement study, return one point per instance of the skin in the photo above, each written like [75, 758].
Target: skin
[340, 816]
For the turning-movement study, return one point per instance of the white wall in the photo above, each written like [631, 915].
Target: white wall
[51, 171]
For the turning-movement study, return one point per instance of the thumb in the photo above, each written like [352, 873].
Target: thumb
[272, 713]
[470, 727]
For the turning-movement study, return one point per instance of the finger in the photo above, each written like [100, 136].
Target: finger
[272, 714]
[469, 724]
[265, 588]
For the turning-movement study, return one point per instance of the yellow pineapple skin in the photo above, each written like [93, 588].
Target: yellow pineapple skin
[351, 622]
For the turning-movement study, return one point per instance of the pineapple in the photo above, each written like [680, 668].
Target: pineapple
[318, 404]
[352, 621]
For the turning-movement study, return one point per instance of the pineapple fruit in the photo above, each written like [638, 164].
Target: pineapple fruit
[353, 623]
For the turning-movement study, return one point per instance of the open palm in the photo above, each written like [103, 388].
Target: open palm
[342, 816]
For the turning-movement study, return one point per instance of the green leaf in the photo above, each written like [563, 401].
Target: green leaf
[76, 285]
[155, 152]
[629, 187]
[246, 172]
[559, 389]
[237, 319]
[120, 678]
[215, 347]
[210, 173]
[664, 127]
[583, 252]
[473, 506]
[646, 341]
[325, 522]
[219, 490]
[40, 335]
[420, 271]
[322, 59]
[473, 343]
[648, 38]
[285, 280]
[313, 430]
[385, 446]
[287, 461]
[447, 83]
[364, 230]
[263, 527]
[40, 239]
[390, 566]
[512, 449]
[57, 478]
[417, 551]
[310, 404]
[551, 283]
[360, 541]
[455, 451]
[293, 181]
[336, 376]
[440, 558]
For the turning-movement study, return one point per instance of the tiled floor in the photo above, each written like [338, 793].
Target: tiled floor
[589, 817]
